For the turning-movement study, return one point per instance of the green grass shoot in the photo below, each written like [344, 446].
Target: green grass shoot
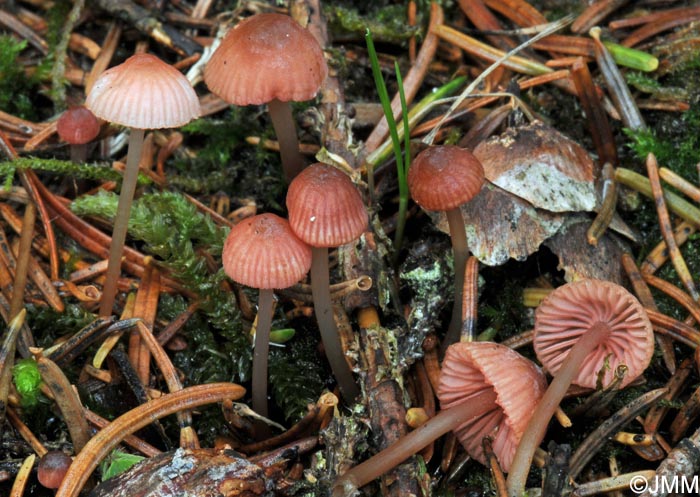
[402, 161]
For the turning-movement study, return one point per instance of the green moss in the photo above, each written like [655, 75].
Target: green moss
[27, 380]
[95, 172]
[15, 86]
[387, 23]
[183, 240]
[47, 324]
[217, 350]
[296, 376]
[648, 84]
[676, 146]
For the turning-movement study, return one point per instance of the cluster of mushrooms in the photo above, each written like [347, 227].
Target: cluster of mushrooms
[583, 330]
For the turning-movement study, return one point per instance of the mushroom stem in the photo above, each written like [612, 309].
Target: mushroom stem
[121, 221]
[537, 426]
[78, 153]
[261, 351]
[458, 234]
[285, 129]
[445, 421]
[323, 308]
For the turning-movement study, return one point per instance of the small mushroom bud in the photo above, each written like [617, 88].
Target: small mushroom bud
[52, 468]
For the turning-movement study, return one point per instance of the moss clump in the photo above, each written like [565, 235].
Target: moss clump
[183, 240]
[386, 23]
[676, 145]
[47, 324]
[15, 86]
[296, 376]
[27, 380]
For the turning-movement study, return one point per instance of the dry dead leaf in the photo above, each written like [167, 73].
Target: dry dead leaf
[539, 164]
[579, 259]
[501, 225]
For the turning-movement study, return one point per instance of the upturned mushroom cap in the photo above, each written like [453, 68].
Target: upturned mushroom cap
[471, 367]
[572, 309]
[77, 126]
[325, 208]
[443, 177]
[144, 92]
[263, 252]
[266, 57]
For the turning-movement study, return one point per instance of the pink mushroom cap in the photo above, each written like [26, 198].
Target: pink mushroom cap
[325, 208]
[263, 252]
[572, 309]
[443, 177]
[471, 367]
[266, 57]
[78, 126]
[144, 93]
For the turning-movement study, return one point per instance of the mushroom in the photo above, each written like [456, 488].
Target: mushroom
[141, 93]
[269, 58]
[478, 398]
[52, 467]
[78, 126]
[262, 252]
[326, 210]
[583, 331]
[441, 178]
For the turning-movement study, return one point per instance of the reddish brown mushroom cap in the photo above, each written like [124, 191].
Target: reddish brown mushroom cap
[77, 126]
[52, 467]
[572, 309]
[325, 208]
[471, 367]
[266, 57]
[443, 177]
[263, 252]
[145, 93]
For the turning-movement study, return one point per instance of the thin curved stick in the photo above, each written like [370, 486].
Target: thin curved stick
[470, 299]
[67, 401]
[23, 255]
[31, 185]
[106, 439]
[188, 437]
[595, 440]
[22, 477]
[666, 228]
[7, 358]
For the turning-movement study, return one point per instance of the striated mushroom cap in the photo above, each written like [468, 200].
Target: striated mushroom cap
[263, 252]
[266, 57]
[570, 310]
[444, 177]
[77, 126]
[145, 93]
[471, 367]
[325, 208]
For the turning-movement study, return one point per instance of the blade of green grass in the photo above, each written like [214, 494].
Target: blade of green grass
[401, 165]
